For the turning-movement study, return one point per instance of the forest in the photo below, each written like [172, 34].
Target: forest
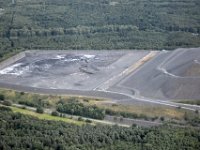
[19, 131]
[98, 24]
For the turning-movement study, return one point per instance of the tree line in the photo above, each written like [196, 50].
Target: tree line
[76, 108]
[94, 24]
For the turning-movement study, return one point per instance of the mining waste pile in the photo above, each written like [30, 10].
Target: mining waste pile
[122, 75]
[76, 70]
[170, 75]
[60, 64]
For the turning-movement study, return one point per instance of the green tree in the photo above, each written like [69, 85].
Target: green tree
[55, 113]
[2, 97]
[39, 110]
[7, 103]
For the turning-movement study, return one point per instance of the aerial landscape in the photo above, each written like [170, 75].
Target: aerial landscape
[99, 74]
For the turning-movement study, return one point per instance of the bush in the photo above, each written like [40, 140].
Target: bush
[27, 103]
[62, 115]
[88, 121]
[22, 93]
[134, 125]
[23, 107]
[55, 113]
[7, 103]
[154, 118]
[162, 118]
[40, 110]
[115, 118]
[121, 119]
[2, 108]
[2, 97]
[196, 111]
[80, 119]
[86, 100]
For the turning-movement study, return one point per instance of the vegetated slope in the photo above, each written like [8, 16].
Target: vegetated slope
[24, 132]
[99, 24]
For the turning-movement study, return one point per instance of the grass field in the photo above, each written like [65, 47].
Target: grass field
[147, 110]
[46, 101]
[192, 102]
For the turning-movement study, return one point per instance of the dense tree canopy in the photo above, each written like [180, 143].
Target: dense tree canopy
[75, 108]
[99, 24]
[19, 131]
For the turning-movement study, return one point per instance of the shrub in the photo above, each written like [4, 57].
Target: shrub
[134, 125]
[115, 118]
[55, 113]
[162, 118]
[40, 110]
[7, 103]
[154, 118]
[22, 93]
[86, 100]
[27, 103]
[196, 111]
[61, 115]
[80, 119]
[88, 121]
[2, 108]
[23, 107]
[2, 97]
[121, 119]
